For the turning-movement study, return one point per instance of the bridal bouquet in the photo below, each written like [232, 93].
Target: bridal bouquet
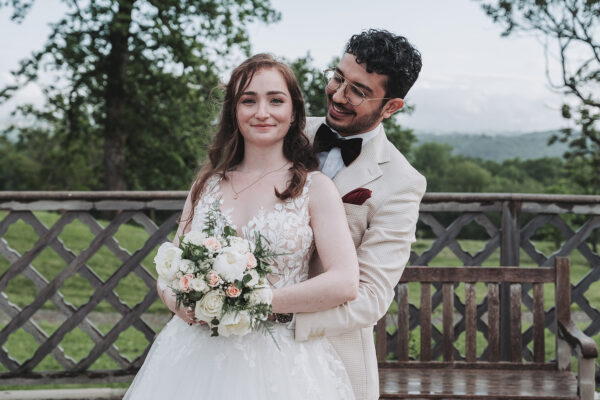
[222, 276]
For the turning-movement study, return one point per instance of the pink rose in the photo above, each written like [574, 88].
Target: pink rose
[233, 291]
[184, 282]
[211, 243]
[212, 278]
[250, 261]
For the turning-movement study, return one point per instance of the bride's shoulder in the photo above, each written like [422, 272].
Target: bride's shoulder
[209, 190]
[211, 183]
[316, 177]
[320, 186]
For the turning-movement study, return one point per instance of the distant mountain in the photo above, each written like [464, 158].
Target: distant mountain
[498, 147]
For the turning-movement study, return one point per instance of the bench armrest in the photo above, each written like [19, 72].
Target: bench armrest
[576, 338]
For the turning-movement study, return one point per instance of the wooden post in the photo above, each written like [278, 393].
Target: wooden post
[563, 311]
[509, 256]
[381, 339]
[403, 322]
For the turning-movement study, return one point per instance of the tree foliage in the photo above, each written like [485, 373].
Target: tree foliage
[573, 26]
[311, 81]
[130, 102]
[447, 172]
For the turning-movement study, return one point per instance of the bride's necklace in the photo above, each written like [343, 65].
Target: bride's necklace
[236, 194]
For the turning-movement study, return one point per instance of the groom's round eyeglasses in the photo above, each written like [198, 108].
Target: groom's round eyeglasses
[355, 96]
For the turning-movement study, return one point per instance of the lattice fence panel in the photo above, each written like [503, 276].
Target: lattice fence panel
[50, 319]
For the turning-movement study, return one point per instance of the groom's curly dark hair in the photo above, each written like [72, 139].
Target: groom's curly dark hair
[390, 55]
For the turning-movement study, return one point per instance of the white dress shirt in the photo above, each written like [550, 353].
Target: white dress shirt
[331, 162]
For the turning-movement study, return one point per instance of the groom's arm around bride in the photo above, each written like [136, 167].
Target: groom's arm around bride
[380, 189]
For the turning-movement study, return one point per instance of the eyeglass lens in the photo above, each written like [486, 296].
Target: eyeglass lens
[353, 94]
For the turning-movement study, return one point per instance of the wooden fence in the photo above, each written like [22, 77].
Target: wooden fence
[510, 221]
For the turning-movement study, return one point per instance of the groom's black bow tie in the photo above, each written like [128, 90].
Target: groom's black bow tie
[326, 139]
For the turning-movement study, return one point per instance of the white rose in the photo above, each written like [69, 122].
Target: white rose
[210, 305]
[234, 324]
[239, 244]
[230, 264]
[255, 278]
[199, 285]
[167, 261]
[186, 266]
[194, 237]
[260, 296]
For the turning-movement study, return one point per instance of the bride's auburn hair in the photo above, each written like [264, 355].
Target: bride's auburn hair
[227, 147]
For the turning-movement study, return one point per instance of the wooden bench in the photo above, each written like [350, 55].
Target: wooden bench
[510, 372]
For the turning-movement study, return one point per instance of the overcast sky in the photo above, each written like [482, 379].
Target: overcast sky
[472, 79]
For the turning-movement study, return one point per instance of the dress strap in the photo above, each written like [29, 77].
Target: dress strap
[307, 183]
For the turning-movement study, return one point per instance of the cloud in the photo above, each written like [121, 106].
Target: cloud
[484, 103]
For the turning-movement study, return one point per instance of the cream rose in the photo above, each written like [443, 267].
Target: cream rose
[260, 296]
[230, 264]
[234, 324]
[211, 243]
[167, 261]
[194, 237]
[184, 282]
[233, 291]
[210, 305]
[212, 278]
[199, 285]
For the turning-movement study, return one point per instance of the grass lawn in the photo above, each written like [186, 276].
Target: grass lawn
[77, 290]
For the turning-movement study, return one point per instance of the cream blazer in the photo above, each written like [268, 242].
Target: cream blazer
[383, 229]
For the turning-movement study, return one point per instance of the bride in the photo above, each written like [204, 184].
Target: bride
[262, 170]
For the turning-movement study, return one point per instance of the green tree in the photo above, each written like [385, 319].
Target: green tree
[401, 137]
[131, 104]
[312, 84]
[466, 176]
[433, 160]
[573, 26]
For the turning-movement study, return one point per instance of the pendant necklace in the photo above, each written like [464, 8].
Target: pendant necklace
[236, 194]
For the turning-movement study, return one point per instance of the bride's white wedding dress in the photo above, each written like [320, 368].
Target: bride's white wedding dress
[185, 362]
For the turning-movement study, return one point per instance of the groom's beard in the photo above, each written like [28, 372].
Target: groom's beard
[354, 125]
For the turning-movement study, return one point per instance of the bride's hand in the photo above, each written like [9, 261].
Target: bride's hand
[185, 313]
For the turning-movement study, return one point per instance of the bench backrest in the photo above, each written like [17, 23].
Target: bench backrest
[462, 313]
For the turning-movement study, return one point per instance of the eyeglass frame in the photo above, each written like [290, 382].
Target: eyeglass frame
[348, 83]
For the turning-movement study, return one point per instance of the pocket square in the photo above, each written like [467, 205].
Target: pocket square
[357, 196]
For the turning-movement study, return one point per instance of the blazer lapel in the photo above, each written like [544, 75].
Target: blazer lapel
[366, 167]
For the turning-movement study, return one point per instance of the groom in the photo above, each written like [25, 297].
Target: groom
[380, 189]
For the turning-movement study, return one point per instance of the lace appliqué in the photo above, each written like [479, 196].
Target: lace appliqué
[286, 227]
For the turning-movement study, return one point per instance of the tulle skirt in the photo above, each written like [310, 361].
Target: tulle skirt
[185, 362]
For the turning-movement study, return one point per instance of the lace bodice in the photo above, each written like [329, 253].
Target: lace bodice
[286, 227]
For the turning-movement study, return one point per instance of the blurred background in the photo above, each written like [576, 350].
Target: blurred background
[120, 95]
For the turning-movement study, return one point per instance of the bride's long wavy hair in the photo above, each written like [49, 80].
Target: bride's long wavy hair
[227, 148]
